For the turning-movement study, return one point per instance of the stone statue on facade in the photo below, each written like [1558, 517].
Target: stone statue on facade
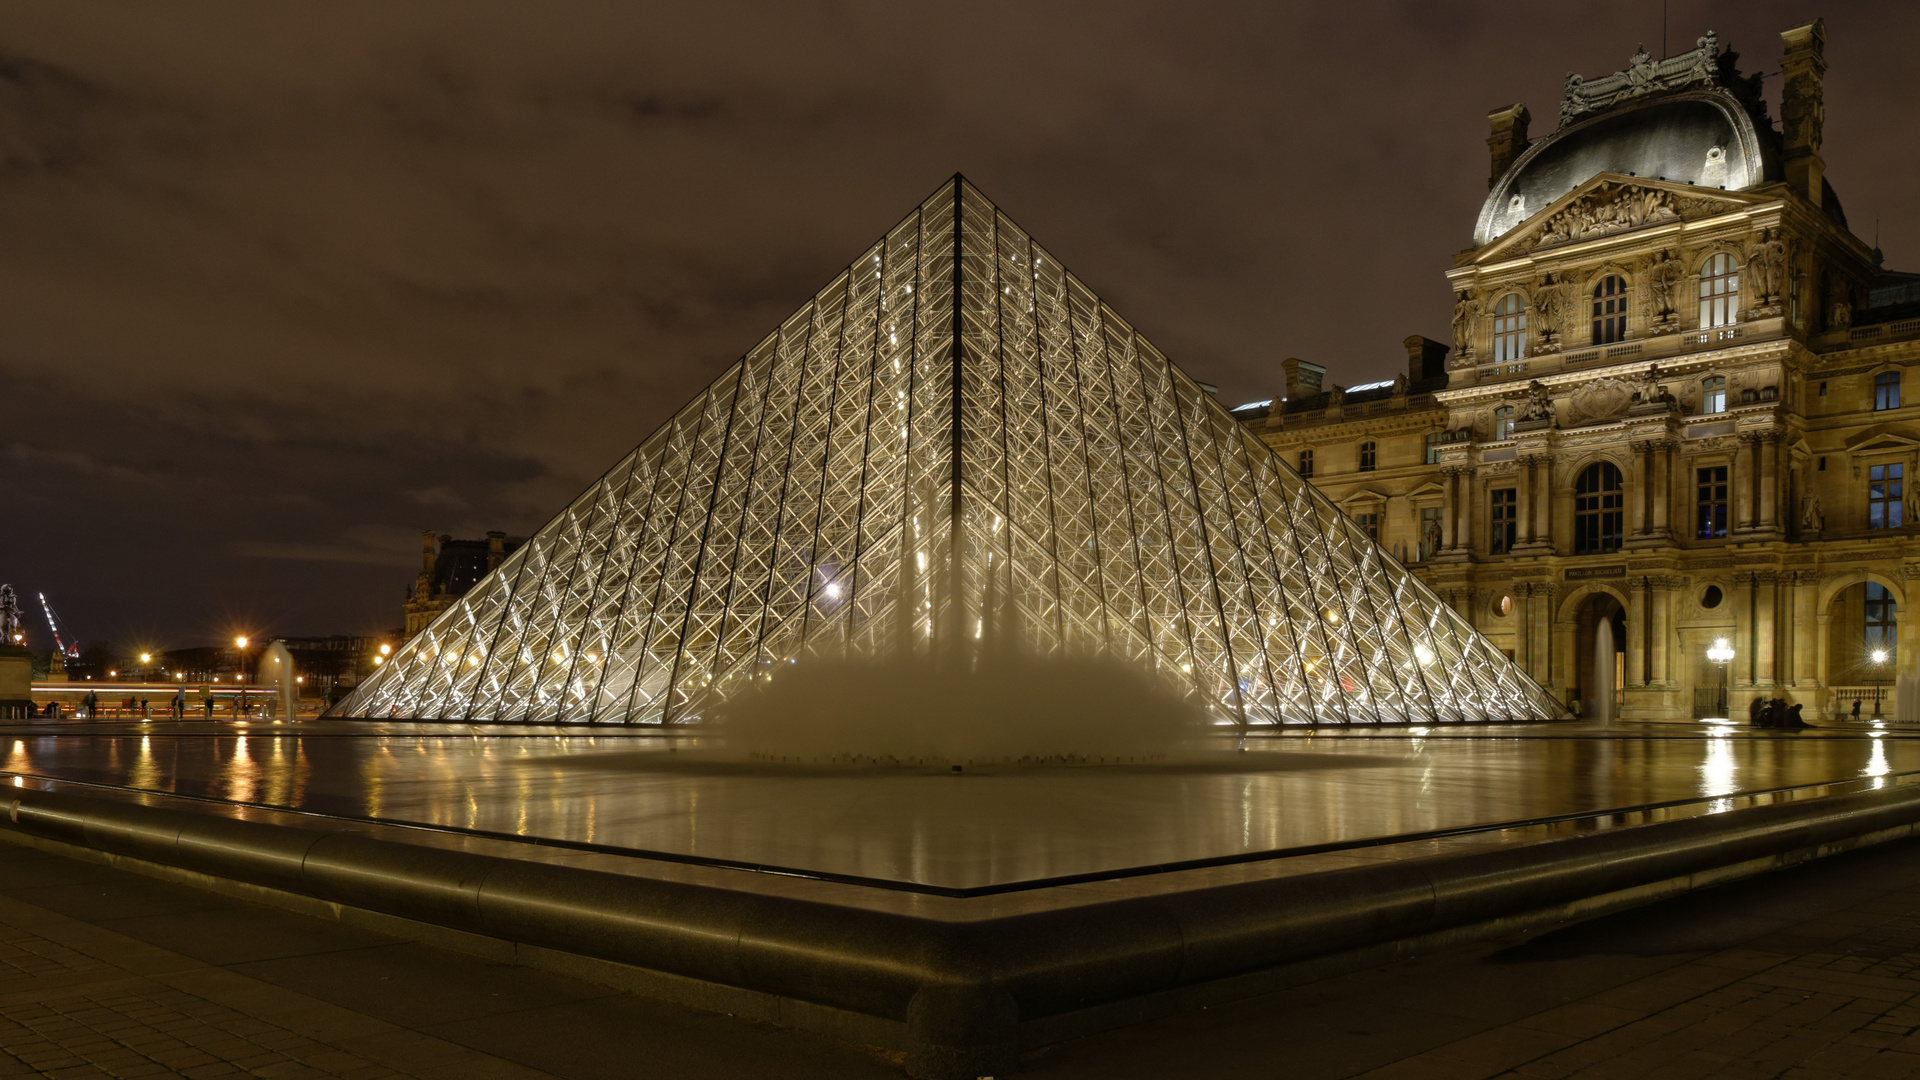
[1539, 404]
[1649, 391]
[9, 616]
[1431, 534]
[1663, 277]
[1550, 302]
[1764, 265]
[1812, 519]
[1466, 318]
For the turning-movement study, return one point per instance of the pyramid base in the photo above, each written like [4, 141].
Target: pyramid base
[962, 992]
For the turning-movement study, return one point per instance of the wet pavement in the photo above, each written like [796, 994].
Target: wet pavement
[651, 793]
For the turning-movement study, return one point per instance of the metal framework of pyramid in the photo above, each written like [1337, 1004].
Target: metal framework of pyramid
[953, 439]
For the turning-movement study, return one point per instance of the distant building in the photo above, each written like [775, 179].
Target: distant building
[1675, 412]
[448, 568]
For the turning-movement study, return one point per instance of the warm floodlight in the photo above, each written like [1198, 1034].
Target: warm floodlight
[146, 658]
[240, 642]
[1879, 656]
[385, 649]
[1721, 652]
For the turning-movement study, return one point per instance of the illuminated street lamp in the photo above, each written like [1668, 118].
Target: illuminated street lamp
[240, 706]
[1879, 658]
[1721, 653]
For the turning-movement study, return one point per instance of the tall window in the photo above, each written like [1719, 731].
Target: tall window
[1713, 394]
[1369, 455]
[1433, 447]
[1510, 329]
[1885, 490]
[1306, 463]
[1371, 523]
[1597, 502]
[1712, 487]
[1719, 291]
[1886, 390]
[1610, 310]
[1503, 423]
[1503, 524]
[1883, 620]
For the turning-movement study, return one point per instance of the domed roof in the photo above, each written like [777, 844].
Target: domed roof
[1691, 119]
[1697, 137]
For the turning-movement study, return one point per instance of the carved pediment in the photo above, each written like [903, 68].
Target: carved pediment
[1364, 497]
[1882, 437]
[1610, 204]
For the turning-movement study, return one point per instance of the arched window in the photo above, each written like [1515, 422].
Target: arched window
[1510, 329]
[1503, 423]
[1886, 390]
[1713, 394]
[1597, 502]
[1610, 310]
[1883, 622]
[1719, 291]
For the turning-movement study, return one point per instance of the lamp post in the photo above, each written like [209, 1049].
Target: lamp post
[1879, 658]
[1722, 654]
[240, 705]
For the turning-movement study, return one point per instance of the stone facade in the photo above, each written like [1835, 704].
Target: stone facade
[448, 568]
[1678, 409]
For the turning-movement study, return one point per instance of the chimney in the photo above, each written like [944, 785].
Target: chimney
[1426, 358]
[427, 551]
[1303, 379]
[1509, 138]
[496, 550]
[1803, 64]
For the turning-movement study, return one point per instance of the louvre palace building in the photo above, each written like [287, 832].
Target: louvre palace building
[1674, 416]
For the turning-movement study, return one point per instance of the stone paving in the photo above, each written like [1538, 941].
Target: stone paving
[1813, 973]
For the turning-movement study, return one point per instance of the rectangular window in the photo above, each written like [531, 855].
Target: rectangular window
[1429, 532]
[1433, 447]
[1712, 520]
[1823, 389]
[1369, 456]
[1822, 467]
[1713, 395]
[1306, 463]
[1886, 390]
[1371, 523]
[1504, 523]
[1886, 490]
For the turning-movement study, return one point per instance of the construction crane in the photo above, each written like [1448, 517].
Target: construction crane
[68, 646]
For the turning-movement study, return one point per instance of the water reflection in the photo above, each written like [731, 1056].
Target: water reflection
[979, 828]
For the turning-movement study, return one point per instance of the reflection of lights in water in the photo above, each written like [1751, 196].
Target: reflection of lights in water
[1877, 766]
[18, 760]
[1717, 771]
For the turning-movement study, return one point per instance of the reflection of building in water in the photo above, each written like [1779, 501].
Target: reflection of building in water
[448, 568]
[1675, 402]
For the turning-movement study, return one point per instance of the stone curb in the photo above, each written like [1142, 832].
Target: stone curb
[964, 990]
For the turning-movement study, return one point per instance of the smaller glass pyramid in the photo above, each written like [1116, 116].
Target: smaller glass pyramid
[955, 435]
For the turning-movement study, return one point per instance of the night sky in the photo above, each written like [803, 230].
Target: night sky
[282, 285]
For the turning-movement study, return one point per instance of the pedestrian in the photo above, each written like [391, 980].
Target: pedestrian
[1856, 708]
[92, 704]
[179, 709]
[206, 699]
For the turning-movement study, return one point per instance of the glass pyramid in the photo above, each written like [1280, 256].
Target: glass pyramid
[954, 438]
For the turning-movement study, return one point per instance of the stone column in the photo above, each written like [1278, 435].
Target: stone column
[1463, 529]
[1523, 625]
[1823, 651]
[1639, 477]
[1449, 484]
[1636, 631]
[1741, 672]
[1807, 638]
[1769, 451]
[1764, 585]
[1741, 477]
[1662, 485]
[1560, 659]
[1523, 501]
[1663, 589]
[1543, 503]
